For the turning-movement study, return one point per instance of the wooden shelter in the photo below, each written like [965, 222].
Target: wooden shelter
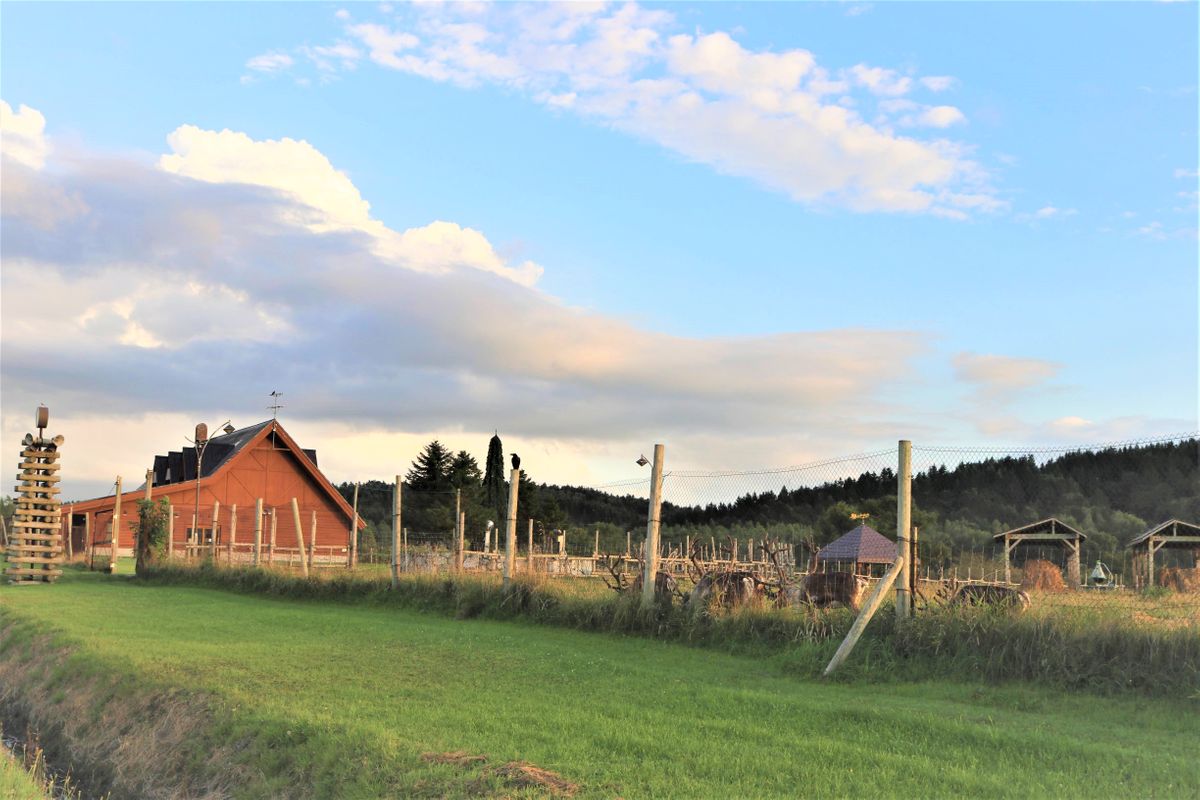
[1173, 534]
[1050, 531]
[857, 551]
[236, 469]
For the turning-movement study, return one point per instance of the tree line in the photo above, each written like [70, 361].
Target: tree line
[1111, 495]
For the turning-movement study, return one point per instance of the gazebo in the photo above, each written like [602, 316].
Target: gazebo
[1173, 534]
[1048, 531]
[862, 546]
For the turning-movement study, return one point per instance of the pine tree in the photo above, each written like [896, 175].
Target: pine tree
[494, 485]
[430, 472]
[464, 471]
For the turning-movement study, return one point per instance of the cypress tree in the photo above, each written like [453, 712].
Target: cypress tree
[494, 485]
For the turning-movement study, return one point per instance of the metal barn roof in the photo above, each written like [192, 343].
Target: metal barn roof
[863, 545]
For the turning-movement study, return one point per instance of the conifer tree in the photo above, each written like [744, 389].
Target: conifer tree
[494, 485]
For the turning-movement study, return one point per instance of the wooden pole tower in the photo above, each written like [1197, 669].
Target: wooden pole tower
[35, 543]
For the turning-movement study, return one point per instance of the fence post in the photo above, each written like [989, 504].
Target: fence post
[87, 535]
[652, 525]
[312, 543]
[510, 527]
[352, 558]
[232, 531]
[212, 545]
[116, 527]
[396, 532]
[258, 512]
[299, 535]
[458, 531]
[462, 540]
[903, 528]
[529, 556]
[274, 530]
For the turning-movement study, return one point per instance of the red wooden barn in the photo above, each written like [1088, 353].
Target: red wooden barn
[238, 468]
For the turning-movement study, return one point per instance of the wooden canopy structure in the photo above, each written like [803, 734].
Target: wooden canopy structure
[1172, 534]
[861, 547]
[1047, 531]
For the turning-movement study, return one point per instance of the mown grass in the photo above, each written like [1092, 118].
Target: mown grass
[1090, 649]
[341, 700]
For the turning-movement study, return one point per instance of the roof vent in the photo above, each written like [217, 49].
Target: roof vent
[229, 429]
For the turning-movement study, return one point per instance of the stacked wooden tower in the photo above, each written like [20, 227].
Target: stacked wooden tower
[35, 546]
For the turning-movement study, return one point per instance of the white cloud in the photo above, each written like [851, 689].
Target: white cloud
[1187, 173]
[938, 83]
[23, 135]
[1152, 230]
[942, 117]
[777, 118]
[999, 378]
[270, 62]
[233, 266]
[342, 14]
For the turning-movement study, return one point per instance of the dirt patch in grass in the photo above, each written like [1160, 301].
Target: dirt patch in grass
[523, 775]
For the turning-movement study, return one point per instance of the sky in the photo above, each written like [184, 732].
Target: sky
[762, 234]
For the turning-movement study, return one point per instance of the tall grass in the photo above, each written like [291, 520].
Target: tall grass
[1085, 651]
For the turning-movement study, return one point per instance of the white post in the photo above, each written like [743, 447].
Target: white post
[510, 527]
[903, 528]
[352, 559]
[652, 525]
[396, 533]
[212, 546]
[312, 543]
[258, 512]
[116, 526]
[274, 530]
[232, 531]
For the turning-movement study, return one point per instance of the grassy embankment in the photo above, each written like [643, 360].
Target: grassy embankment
[266, 696]
[15, 782]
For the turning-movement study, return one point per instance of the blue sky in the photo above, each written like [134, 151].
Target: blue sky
[1040, 287]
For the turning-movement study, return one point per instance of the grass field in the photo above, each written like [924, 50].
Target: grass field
[344, 700]
[15, 782]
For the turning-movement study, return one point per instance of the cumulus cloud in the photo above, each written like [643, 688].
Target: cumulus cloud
[231, 266]
[778, 118]
[23, 135]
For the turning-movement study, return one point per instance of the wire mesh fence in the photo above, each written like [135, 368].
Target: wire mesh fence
[1107, 530]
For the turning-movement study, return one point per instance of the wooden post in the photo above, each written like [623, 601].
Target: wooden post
[462, 538]
[510, 527]
[70, 532]
[652, 525]
[458, 531]
[312, 543]
[1073, 571]
[87, 535]
[596, 546]
[116, 526]
[903, 527]
[299, 535]
[258, 512]
[864, 616]
[914, 567]
[274, 528]
[170, 530]
[396, 533]
[404, 548]
[352, 558]
[188, 549]
[212, 546]
[1007, 561]
[628, 543]
[529, 557]
[232, 531]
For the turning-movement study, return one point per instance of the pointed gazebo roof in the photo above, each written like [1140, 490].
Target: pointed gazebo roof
[863, 545]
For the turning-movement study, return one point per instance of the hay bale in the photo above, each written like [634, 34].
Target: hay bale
[1042, 576]
[1181, 579]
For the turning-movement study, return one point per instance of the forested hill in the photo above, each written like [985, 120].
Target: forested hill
[1112, 495]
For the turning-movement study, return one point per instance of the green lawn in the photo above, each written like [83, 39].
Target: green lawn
[349, 697]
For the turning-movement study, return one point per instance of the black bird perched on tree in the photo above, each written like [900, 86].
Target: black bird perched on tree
[516, 461]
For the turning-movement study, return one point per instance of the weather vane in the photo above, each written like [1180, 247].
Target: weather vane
[863, 515]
